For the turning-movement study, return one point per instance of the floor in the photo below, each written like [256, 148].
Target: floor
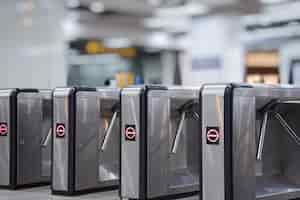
[43, 193]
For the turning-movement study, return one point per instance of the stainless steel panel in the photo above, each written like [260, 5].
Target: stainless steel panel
[275, 176]
[158, 143]
[130, 111]
[88, 126]
[171, 173]
[60, 145]
[244, 145]
[29, 126]
[5, 140]
[213, 155]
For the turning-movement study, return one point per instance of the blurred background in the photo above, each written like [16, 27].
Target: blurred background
[49, 43]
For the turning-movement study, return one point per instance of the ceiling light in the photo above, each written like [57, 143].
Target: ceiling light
[188, 9]
[154, 2]
[273, 1]
[72, 3]
[117, 42]
[96, 7]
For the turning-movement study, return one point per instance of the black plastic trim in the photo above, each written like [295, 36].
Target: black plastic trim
[200, 147]
[27, 90]
[120, 144]
[228, 170]
[13, 139]
[172, 197]
[85, 191]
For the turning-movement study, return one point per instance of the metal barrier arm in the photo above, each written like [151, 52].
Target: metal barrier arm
[178, 133]
[263, 131]
[289, 130]
[108, 131]
[47, 140]
[187, 111]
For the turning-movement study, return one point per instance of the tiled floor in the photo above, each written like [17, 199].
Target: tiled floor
[43, 193]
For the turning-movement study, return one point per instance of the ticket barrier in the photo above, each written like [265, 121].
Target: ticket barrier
[160, 142]
[250, 142]
[25, 130]
[86, 140]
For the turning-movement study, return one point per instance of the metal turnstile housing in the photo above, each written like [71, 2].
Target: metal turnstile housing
[250, 142]
[159, 160]
[25, 118]
[85, 140]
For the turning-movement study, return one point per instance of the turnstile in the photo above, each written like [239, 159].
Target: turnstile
[160, 141]
[250, 142]
[25, 123]
[86, 140]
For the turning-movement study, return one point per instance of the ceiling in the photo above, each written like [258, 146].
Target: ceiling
[148, 7]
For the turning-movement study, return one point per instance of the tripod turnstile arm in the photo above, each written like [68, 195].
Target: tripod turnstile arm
[288, 128]
[47, 139]
[263, 131]
[178, 133]
[108, 131]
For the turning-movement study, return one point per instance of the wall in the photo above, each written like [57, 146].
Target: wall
[31, 44]
[214, 37]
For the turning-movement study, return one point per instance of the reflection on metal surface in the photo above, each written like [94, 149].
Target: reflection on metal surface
[107, 174]
[47, 140]
[219, 109]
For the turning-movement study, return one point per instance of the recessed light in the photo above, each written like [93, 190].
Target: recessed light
[273, 1]
[72, 3]
[188, 9]
[96, 7]
[117, 42]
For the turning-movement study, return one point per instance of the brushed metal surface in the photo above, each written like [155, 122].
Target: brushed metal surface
[93, 168]
[273, 177]
[167, 173]
[130, 150]
[60, 145]
[87, 137]
[244, 147]
[158, 143]
[96, 168]
[29, 128]
[172, 173]
[213, 155]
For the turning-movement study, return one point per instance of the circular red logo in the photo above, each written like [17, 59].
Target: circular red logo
[130, 133]
[213, 135]
[3, 129]
[60, 130]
